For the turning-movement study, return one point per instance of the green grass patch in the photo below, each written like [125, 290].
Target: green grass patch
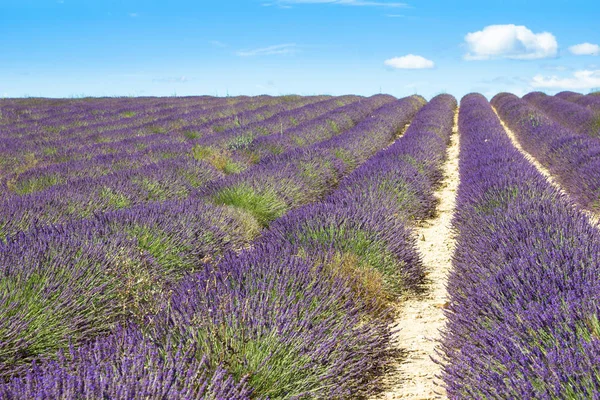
[333, 126]
[170, 255]
[346, 156]
[160, 191]
[274, 369]
[299, 141]
[36, 184]
[265, 206]
[53, 129]
[114, 199]
[192, 135]
[374, 272]
[54, 306]
[49, 151]
[314, 172]
[102, 139]
[158, 129]
[202, 153]
[217, 158]
[240, 142]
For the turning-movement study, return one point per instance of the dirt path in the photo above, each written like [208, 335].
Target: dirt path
[420, 318]
[593, 218]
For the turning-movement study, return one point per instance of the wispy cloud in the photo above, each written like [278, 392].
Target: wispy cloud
[133, 15]
[552, 67]
[172, 79]
[510, 41]
[584, 79]
[403, 16]
[289, 48]
[356, 3]
[506, 80]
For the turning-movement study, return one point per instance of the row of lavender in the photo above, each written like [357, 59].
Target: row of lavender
[24, 131]
[572, 158]
[122, 265]
[590, 101]
[175, 178]
[27, 110]
[579, 119]
[104, 115]
[523, 317]
[147, 131]
[136, 152]
[50, 143]
[293, 316]
[182, 230]
[17, 114]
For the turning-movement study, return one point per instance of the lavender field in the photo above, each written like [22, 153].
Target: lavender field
[300, 247]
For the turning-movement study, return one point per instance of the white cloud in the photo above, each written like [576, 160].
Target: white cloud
[289, 48]
[585, 79]
[585, 49]
[409, 61]
[510, 41]
[362, 3]
[133, 15]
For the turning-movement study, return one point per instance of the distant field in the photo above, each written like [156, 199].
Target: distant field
[300, 247]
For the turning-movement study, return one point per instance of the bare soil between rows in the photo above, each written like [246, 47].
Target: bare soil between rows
[420, 319]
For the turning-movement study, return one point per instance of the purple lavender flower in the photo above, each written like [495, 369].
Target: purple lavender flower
[523, 311]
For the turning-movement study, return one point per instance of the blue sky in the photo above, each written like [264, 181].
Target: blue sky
[65, 48]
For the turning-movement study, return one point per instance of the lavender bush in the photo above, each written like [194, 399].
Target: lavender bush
[253, 314]
[238, 150]
[573, 159]
[569, 96]
[163, 180]
[523, 311]
[125, 365]
[590, 101]
[75, 281]
[162, 242]
[571, 115]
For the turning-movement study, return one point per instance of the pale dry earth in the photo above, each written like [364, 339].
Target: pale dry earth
[420, 319]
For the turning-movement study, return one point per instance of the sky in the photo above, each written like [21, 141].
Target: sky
[75, 48]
